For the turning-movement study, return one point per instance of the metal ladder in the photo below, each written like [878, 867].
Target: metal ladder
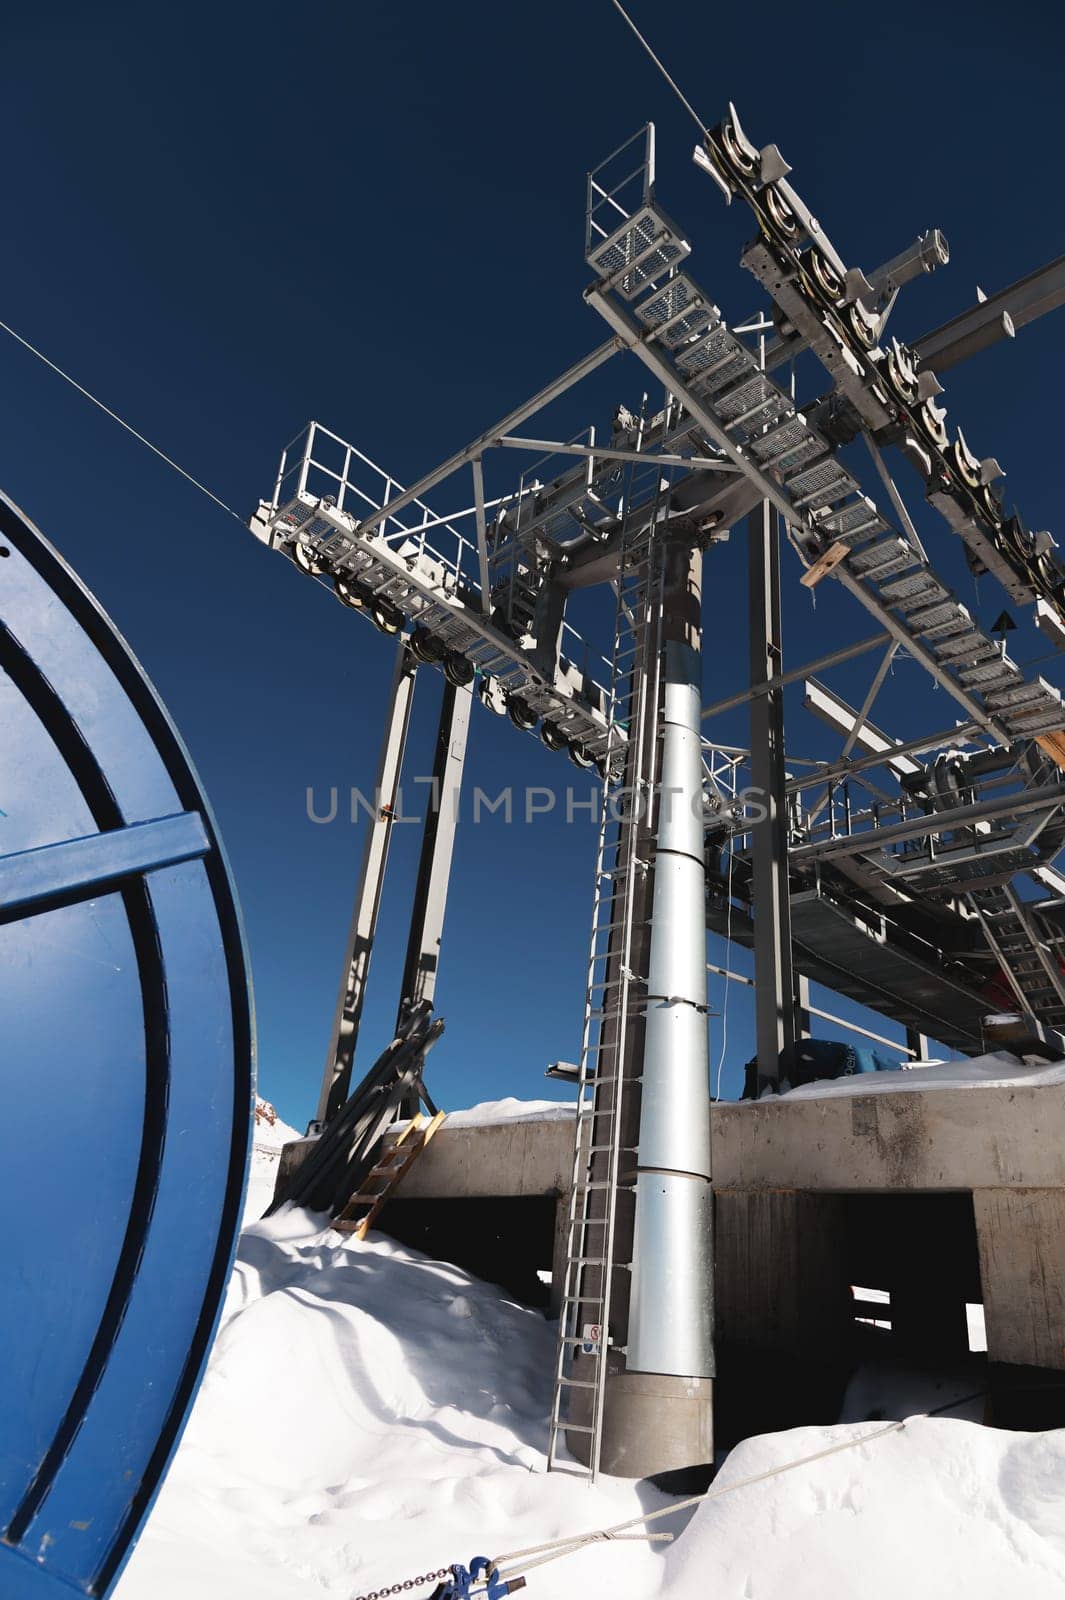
[1024, 957]
[614, 991]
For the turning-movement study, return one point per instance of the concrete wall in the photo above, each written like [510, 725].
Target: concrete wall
[1021, 1234]
[940, 1139]
[943, 1139]
[780, 1271]
[524, 1158]
[779, 1167]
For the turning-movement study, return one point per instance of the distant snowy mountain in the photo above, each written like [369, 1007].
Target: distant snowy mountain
[271, 1134]
[270, 1131]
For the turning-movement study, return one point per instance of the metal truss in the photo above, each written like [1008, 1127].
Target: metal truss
[907, 829]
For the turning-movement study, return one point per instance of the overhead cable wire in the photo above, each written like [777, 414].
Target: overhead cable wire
[154, 448]
[673, 84]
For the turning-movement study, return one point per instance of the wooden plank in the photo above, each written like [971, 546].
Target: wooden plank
[1053, 745]
[825, 564]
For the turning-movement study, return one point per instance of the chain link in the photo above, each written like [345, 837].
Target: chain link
[400, 1588]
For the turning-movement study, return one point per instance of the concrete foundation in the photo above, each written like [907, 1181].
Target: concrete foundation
[650, 1419]
[941, 1198]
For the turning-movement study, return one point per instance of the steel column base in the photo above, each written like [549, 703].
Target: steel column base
[653, 1424]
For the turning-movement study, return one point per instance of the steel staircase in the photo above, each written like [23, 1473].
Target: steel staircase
[1024, 956]
[713, 373]
[615, 991]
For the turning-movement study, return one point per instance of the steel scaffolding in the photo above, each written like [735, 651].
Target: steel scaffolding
[913, 874]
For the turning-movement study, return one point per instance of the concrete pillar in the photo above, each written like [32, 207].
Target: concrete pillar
[783, 1310]
[781, 1276]
[1021, 1238]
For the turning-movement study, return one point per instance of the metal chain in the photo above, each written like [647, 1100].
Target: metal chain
[400, 1588]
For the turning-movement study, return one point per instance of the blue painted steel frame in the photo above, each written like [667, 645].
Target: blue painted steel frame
[136, 1136]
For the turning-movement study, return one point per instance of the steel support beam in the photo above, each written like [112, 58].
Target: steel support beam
[484, 441]
[803, 1009]
[1049, 797]
[962, 733]
[438, 842]
[917, 1045]
[832, 709]
[482, 535]
[835, 658]
[774, 978]
[997, 317]
[336, 1080]
[597, 452]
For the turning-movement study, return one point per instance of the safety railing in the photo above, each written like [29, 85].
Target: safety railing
[321, 465]
[619, 187]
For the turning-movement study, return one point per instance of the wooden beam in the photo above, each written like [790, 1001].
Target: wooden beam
[825, 564]
[1053, 744]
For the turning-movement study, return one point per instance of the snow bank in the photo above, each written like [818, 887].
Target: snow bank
[997, 1071]
[510, 1110]
[370, 1415]
[942, 1508]
[271, 1134]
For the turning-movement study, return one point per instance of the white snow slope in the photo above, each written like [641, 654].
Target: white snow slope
[370, 1415]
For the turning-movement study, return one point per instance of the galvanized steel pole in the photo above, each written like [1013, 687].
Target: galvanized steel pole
[671, 1308]
[659, 1395]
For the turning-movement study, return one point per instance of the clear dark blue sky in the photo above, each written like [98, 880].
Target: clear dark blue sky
[227, 219]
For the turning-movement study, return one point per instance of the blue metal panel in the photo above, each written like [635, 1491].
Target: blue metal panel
[126, 1057]
[60, 874]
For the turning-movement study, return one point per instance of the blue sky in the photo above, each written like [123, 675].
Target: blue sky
[226, 220]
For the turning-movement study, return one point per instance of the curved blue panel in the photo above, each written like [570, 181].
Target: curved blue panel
[126, 1058]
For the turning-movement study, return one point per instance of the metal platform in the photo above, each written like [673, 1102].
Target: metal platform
[881, 966]
[331, 514]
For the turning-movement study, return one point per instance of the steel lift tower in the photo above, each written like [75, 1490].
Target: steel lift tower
[912, 875]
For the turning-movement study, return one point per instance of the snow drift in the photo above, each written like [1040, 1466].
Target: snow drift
[370, 1415]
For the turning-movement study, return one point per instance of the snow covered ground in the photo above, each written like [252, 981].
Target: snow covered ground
[370, 1415]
